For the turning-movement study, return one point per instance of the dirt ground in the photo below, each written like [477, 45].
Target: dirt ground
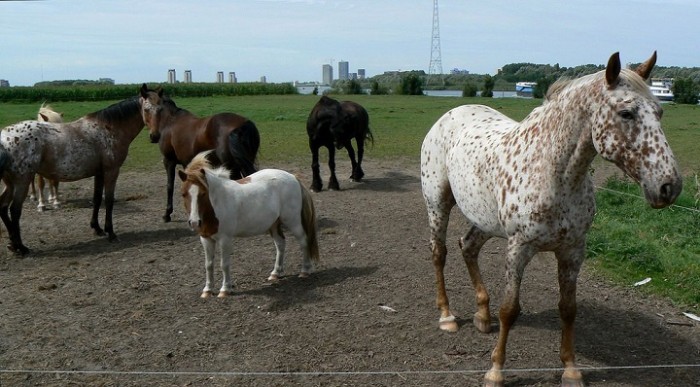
[82, 311]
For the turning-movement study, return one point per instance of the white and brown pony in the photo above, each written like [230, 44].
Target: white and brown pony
[528, 182]
[93, 145]
[46, 114]
[221, 209]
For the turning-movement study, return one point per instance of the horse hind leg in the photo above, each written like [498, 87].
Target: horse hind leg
[41, 206]
[569, 263]
[333, 181]
[53, 194]
[280, 245]
[471, 244]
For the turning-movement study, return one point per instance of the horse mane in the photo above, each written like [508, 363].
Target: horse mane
[200, 162]
[118, 112]
[48, 112]
[635, 80]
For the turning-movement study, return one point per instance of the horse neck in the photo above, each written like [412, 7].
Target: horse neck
[562, 134]
[222, 194]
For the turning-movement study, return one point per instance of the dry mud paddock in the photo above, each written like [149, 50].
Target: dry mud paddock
[80, 311]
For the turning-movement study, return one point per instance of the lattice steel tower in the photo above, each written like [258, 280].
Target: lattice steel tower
[435, 67]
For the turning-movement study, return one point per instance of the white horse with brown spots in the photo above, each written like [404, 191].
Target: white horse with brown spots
[529, 182]
[46, 114]
[220, 209]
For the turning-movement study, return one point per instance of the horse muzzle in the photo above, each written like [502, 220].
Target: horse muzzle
[194, 224]
[665, 195]
[155, 137]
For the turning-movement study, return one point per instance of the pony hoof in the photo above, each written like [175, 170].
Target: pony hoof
[166, 218]
[303, 275]
[224, 294]
[448, 324]
[568, 382]
[273, 277]
[20, 250]
[206, 294]
[484, 326]
[41, 208]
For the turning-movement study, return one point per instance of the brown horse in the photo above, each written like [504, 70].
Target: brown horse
[332, 123]
[94, 145]
[181, 135]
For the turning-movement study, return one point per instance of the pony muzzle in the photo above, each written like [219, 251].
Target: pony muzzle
[155, 137]
[194, 224]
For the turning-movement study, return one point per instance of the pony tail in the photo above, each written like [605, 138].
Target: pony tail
[308, 220]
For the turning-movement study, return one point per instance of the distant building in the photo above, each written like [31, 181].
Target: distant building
[188, 76]
[263, 79]
[361, 74]
[171, 76]
[219, 77]
[343, 70]
[4, 83]
[327, 74]
[106, 81]
[456, 71]
[232, 77]
[353, 76]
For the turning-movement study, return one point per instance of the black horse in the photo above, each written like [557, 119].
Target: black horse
[334, 124]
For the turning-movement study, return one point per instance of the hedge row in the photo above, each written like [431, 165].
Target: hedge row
[117, 92]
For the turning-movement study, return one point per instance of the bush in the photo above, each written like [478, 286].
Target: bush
[685, 91]
[469, 90]
[489, 83]
[411, 85]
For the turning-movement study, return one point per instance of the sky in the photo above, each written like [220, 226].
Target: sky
[135, 41]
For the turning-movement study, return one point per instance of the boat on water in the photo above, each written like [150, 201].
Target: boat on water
[661, 88]
[525, 89]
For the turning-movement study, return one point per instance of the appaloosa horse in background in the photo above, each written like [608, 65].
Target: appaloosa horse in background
[334, 124]
[181, 135]
[529, 182]
[46, 114]
[94, 145]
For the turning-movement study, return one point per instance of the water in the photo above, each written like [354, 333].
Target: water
[432, 93]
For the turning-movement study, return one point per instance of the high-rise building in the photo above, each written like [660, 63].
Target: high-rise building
[188, 76]
[219, 77]
[361, 73]
[171, 76]
[232, 77]
[343, 70]
[327, 74]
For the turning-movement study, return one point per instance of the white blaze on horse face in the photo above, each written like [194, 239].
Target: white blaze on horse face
[194, 220]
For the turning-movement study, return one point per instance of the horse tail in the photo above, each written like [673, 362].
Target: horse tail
[244, 143]
[308, 221]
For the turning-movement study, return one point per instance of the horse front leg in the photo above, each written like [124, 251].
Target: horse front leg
[224, 248]
[280, 245]
[333, 181]
[316, 183]
[470, 245]
[519, 256]
[14, 196]
[569, 263]
[110, 184]
[170, 171]
[209, 246]
[96, 203]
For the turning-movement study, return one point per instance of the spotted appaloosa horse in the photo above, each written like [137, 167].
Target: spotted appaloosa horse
[94, 145]
[529, 182]
[46, 114]
[220, 209]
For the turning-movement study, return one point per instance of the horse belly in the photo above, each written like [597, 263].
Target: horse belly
[71, 162]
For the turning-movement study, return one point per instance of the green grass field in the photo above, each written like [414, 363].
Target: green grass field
[628, 241]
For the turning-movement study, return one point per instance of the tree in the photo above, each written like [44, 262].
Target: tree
[376, 89]
[411, 85]
[540, 90]
[685, 91]
[489, 83]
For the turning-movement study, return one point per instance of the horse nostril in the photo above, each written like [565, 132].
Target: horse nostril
[667, 193]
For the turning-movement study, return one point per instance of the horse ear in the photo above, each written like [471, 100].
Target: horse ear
[182, 174]
[44, 117]
[144, 91]
[644, 69]
[159, 90]
[612, 72]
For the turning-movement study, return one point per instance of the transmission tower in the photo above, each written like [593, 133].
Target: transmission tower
[435, 67]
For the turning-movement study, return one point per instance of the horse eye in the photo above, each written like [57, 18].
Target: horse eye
[626, 115]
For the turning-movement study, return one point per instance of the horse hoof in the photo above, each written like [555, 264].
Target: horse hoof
[273, 277]
[41, 208]
[206, 294]
[223, 294]
[568, 382]
[484, 326]
[20, 250]
[448, 324]
[166, 218]
[303, 275]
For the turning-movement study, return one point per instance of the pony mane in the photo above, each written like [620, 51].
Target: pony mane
[47, 111]
[630, 76]
[118, 112]
[201, 161]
